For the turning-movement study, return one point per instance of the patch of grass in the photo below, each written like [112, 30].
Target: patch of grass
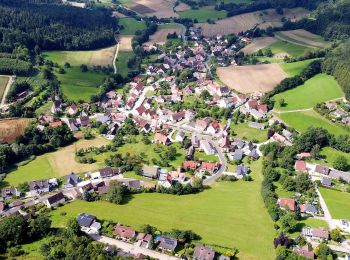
[295, 68]
[131, 25]
[77, 85]
[242, 130]
[168, 26]
[289, 48]
[318, 89]
[330, 154]
[206, 157]
[203, 14]
[3, 84]
[303, 120]
[282, 193]
[228, 215]
[337, 202]
[121, 62]
[75, 58]
[32, 250]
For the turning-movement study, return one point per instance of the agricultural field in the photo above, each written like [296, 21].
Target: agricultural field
[337, 202]
[131, 25]
[121, 62]
[302, 37]
[244, 22]
[10, 129]
[203, 14]
[295, 68]
[56, 164]
[280, 49]
[303, 120]
[125, 43]
[236, 205]
[182, 7]
[77, 85]
[160, 36]
[242, 130]
[158, 8]
[3, 84]
[318, 89]
[239, 78]
[103, 57]
[258, 44]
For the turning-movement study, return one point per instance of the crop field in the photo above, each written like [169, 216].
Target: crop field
[295, 68]
[56, 164]
[280, 49]
[125, 42]
[303, 120]
[318, 89]
[3, 84]
[121, 62]
[12, 128]
[302, 37]
[160, 36]
[337, 203]
[182, 7]
[103, 57]
[238, 207]
[258, 44]
[239, 78]
[77, 85]
[159, 8]
[203, 14]
[244, 22]
[131, 25]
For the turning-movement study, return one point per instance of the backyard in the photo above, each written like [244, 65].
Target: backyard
[242, 130]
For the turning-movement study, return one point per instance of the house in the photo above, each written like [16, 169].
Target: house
[324, 170]
[124, 233]
[237, 155]
[203, 253]
[256, 114]
[305, 251]
[88, 223]
[252, 104]
[202, 124]
[150, 171]
[45, 119]
[177, 176]
[195, 141]
[286, 204]
[167, 243]
[300, 166]
[326, 182]
[84, 121]
[303, 156]
[178, 116]
[207, 147]
[242, 170]
[189, 165]
[253, 154]
[162, 138]
[73, 124]
[108, 172]
[55, 124]
[308, 209]
[180, 136]
[37, 187]
[224, 143]
[144, 240]
[72, 180]
[339, 175]
[214, 127]
[73, 109]
[55, 200]
[56, 107]
[209, 167]
[9, 193]
[287, 134]
[280, 139]
[256, 125]
[263, 108]
[320, 234]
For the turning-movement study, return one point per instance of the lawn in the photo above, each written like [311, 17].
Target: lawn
[294, 50]
[44, 109]
[337, 202]
[242, 130]
[203, 14]
[206, 157]
[77, 85]
[121, 62]
[303, 120]
[330, 154]
[318, 89]
[228, 215]
[282, 193]
[131, 25]
[3, 83]
[294, 68]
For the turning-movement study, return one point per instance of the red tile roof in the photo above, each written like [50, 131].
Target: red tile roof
[287, 203]
[189, 165]
[124, 232]
[300, 166]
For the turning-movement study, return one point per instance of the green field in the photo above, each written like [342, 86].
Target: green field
[242, 130]
[168, 26]
[318, 89]
[77, 85]
[228, 215]
[202, 14]
[294, 50]
[330, 154]
[303, 120]
[131, 25]
[121, 62]
[3, 83]
[75, 58]
[317, 39]
[337, 203]
[294, 68]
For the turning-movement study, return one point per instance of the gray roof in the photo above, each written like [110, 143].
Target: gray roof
[85, 220]
[167, 243]
[311, 208]
[38, 185]
[326, 182]
[72, 179]
[336, 174]
[238, 155]
[203, 253]
[55, 198]
[242, 170]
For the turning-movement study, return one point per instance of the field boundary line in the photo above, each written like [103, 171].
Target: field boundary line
[10, 81]
[115, 59]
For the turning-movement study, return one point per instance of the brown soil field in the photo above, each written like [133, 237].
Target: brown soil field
[252, 78]
[244, 22]
[125, 42]
[258, 44]
[103, 57]
[63, 160]
[3, 84]
[12, 128]
[182, 7]
[305, 37]
[159, 8]
[161, 35]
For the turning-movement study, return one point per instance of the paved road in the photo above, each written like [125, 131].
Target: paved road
[10, 81]
[132, 248]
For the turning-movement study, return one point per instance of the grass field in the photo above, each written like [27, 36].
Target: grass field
[228, 214]
[131, 25]
[294, 68]
[249, 133]
[303, 120]
[121, 62]
[330, 154]
[302, 37]
[282, 48]
[77, 85]
[202, 14]
[3, 84]
[169, 26]
[337, 203]
[318, 89]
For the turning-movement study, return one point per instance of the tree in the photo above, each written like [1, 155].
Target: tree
[268, 52]
[73, 228]
[315, 152]
[13, 230]
[336, 235]
[148, 229]
[117, 192]
[39, 226]
[341, 163]
[83, 68]
[23, 187]
[288, 222]
[282, 102]
[197, 184]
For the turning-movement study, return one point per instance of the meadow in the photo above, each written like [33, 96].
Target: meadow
[303, 120]
[302, 37]
[283, 47]
[318, 89]
[329, 155]
[295, 68]
[203, 14]
[242, 130]
[131, 25]
[337, 202]
[3, 84]
[121, 62]
[238, 206]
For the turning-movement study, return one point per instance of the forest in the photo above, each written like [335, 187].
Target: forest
[52, 26]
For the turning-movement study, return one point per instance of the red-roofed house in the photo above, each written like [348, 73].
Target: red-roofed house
[209, 167]
[286, 203]
[161, 138]
[300, 166]
[55, 124]
[189, 165]
[252, 104]
[263, 108]
[124, 233]
[305, 251]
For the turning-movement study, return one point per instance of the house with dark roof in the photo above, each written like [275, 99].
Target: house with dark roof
[242, 170]
[108, 172]
[326, 182]
[237, 155]
[84, 121]
[322, 170]
[9, 193]
[72, 180]
[55, 200]
[88, 223]
[37, 187]
[203, 253]
[167, 243]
